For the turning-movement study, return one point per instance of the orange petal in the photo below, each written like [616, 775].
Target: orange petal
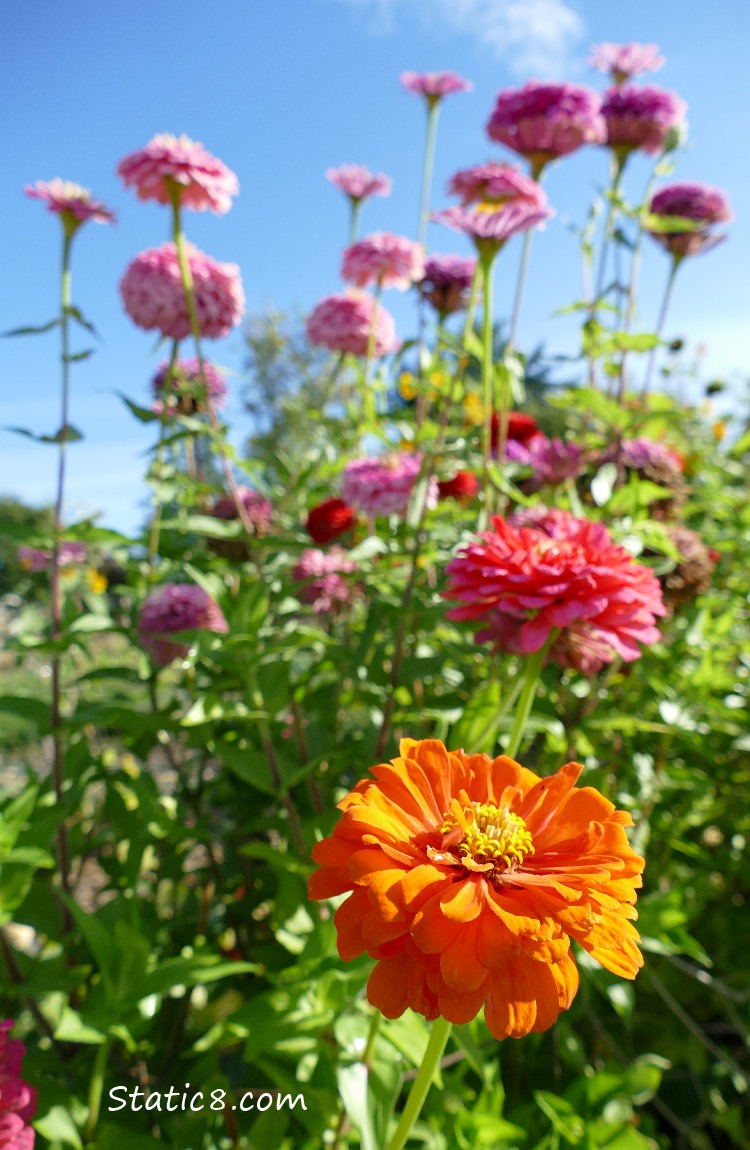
[464, 900]
[459, 963]
[431, 930]
[387, 986]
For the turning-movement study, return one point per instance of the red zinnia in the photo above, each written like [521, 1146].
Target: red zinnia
[463, 486]
[331, 518]
[521, 428]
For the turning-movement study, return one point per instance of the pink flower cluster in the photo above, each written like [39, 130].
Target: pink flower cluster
[698, 202]
[447, 282]
[383, 485]
[551, 460]
[641, 118]
[323, 573]
[546, 121]
[154, 298]
[176, 607]
[385, 259]
[17, 1098]
[343, 322]
[186, 386]
[359, 183]
[37, 559]
[171, 165]
[492, 229]
[561, 578]
[434, 85]
[259, 509]
[495, 184]
[70, 201]
[625, 60]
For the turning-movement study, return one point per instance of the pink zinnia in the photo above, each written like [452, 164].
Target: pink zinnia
[37, 559]
[551, 460]
[383, 485]
[626, 60]
[358, 183]
[491, 229]
[70, 201]
[176, 607]
[154, 297]
[697, 202]
[495, 184]
[385, 259]
[641, 118]
[323, 573]
[546, 121]
[434, 85]
[17, 1098]
[187, 385]
[447, 282]
[642, 453]
[259, 509]
[527, 582]
[171, 165]
[343, 323]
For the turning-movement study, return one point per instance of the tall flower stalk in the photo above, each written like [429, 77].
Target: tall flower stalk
[663, 312]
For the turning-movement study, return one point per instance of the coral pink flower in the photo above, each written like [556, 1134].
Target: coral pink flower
[187, 386]
[491, 229]
[574, 584]
[259, 509]
[329, 520]
[383, 486]
[551, 460]
[323, 573]
[178, 165]
[359, 183]
[176, 607]
[343, 322]
[447, 282]
[463, 486]
[70, 201]
[697, 202]
[641, 118]
[36, 559]
[546, 121]
[17, 1098]
[495, 184]
[625, 60]
[434, 85]
[154, 298]
[385, 259]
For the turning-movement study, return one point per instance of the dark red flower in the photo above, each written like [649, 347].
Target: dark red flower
[330, 519]
[521, 428]
[463, 486]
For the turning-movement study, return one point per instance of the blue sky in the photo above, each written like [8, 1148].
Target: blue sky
[280, 91]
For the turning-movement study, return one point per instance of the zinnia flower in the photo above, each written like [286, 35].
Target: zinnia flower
[434, 85]
[330, 519]
[490, 228]
[698, 202]
[176, 607]
[577, 587]
[359, 183]
[343, 322]
[641, 118]
[467, 879]
[37, 559]
[17, 1098]
[625, 60]
[495, 184]
[383, 486]
[545, 121]
[447, 282]
[323, 573]
[171, 164]
[70, 201]
[259, 509]
[385, 259]
[521, 428]
[691, 574]
[463, 487]
[551, 460]
[188, 386]
[154, 297]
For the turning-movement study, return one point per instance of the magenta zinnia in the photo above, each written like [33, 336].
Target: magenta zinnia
[323, 574]
[343, 323]
[551, 460]
[383, 485]
[698, 202]
[447, 282]
[358, 183]
[385, 259]
[176, 607]
[17, 1098]
[574, 586]
[495, 184]
[625, 60]
[70, 201]
[434, 85]
[641, 118]
[154, 297]
[489, 227]
[171, 166]
[546, 121]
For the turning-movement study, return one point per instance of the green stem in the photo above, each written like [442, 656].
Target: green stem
[617, 166]
[354, 220]
[96, 1088]
[531, 675]
[487, 261]
[433, 107]
[520, 285]
[635, 267]
[259, 705]
[676, 261]
[153, 545]
[441, 1029]
[368, 404]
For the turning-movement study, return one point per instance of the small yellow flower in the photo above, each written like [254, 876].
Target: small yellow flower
[96, 581]
[720, 430]
[406, 385]
[474, 409]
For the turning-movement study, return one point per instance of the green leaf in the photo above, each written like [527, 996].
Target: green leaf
[53, 323]
[198, 970]
[70, 434]
[57, 1127]
[72, 1028]
[561, 1114]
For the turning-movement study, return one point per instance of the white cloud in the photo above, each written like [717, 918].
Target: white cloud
[533, 37]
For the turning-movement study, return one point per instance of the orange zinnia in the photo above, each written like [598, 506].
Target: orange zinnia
[469, 877]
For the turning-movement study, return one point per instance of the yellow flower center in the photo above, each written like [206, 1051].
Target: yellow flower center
[485, 833]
